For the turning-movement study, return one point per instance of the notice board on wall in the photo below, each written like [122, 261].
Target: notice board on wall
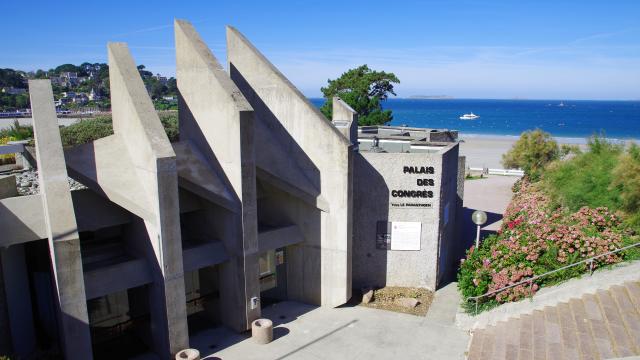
[405, 235]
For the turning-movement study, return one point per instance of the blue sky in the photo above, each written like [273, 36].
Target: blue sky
[474, 49]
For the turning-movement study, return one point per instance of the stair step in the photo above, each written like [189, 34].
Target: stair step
[526, 338]
[512, 339]
[630, 316]
[553, 334]
[487, 343]
[598, 327]
[500, 344]
[569, 332]
[475, 349]
[618, 332]
[633, 288]
[586, 344]
[539, 346]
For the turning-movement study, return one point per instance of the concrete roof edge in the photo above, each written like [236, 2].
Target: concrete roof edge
[278, 73]
[211, 62]
[154, 133]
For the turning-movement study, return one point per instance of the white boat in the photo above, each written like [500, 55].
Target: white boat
[470, 116]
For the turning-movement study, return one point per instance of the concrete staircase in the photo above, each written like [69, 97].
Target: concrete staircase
[603, 325]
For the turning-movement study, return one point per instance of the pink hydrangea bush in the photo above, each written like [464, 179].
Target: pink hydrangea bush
[535, 238]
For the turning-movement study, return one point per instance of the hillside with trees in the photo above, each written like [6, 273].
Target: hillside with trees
[80, 86]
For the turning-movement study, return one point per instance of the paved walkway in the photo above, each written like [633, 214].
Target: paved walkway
[308, 332]
[492, 195]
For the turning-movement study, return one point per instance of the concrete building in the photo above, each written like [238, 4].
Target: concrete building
[407, 195]
[260, 200]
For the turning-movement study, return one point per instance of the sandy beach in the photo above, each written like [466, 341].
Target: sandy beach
[487, 150]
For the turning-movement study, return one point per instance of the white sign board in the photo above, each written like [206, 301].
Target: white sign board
[405, 235]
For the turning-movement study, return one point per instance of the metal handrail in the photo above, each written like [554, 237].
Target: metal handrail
[532, 279]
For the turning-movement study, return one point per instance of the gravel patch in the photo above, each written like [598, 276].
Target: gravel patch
[27, 183]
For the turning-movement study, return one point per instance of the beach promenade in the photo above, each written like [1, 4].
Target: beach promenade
[6, 123]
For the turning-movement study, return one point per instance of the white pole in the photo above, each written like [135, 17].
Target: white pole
[478, 237]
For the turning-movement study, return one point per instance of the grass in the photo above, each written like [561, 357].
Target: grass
[475, 177]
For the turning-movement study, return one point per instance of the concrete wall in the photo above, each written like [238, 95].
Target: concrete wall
[375, 176]
[315, 146]
[449, 210]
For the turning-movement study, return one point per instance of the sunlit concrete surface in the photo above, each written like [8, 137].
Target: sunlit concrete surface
[308, 332]
[492, 195]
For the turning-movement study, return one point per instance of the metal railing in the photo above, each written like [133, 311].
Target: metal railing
[532, 279]
[505, 172]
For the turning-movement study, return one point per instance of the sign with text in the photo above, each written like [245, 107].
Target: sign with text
[405, 235]
[417, 189]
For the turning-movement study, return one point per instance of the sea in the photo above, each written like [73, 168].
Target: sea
[567, 119]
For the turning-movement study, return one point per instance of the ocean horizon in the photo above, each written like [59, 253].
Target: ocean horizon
[572, 121]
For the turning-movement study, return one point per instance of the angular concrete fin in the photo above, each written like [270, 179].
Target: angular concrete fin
[60, 221]
[134, 117]
[124, 167]
[237, 41]
[215, 115]
[218, 122]
[319, 150]
[345, 119]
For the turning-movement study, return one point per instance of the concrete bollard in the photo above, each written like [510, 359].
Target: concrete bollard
[262, 331]
[188, 354]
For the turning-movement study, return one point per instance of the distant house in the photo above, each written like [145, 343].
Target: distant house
[13, 91]
[161, 79]
[69, 78]
[56, 80]
[80, 99]
[94, 95]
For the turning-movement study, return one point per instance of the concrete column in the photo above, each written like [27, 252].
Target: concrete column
[218, 122]
[18, 295]
[137, 127]
[62, 229]
[7, 189]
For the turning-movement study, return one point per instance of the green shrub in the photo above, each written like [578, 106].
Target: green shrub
[532, 152]
[626, 181]
[17, 131]
[586, 179]
[537, 237]
[89, 130]
[86, 131]
[169, 121]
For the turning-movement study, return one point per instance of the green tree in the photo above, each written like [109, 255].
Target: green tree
[532, 152]
[67, 68]
[364, 90]
[12, 78]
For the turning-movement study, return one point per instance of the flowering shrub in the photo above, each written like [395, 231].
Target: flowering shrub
[537, 237]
